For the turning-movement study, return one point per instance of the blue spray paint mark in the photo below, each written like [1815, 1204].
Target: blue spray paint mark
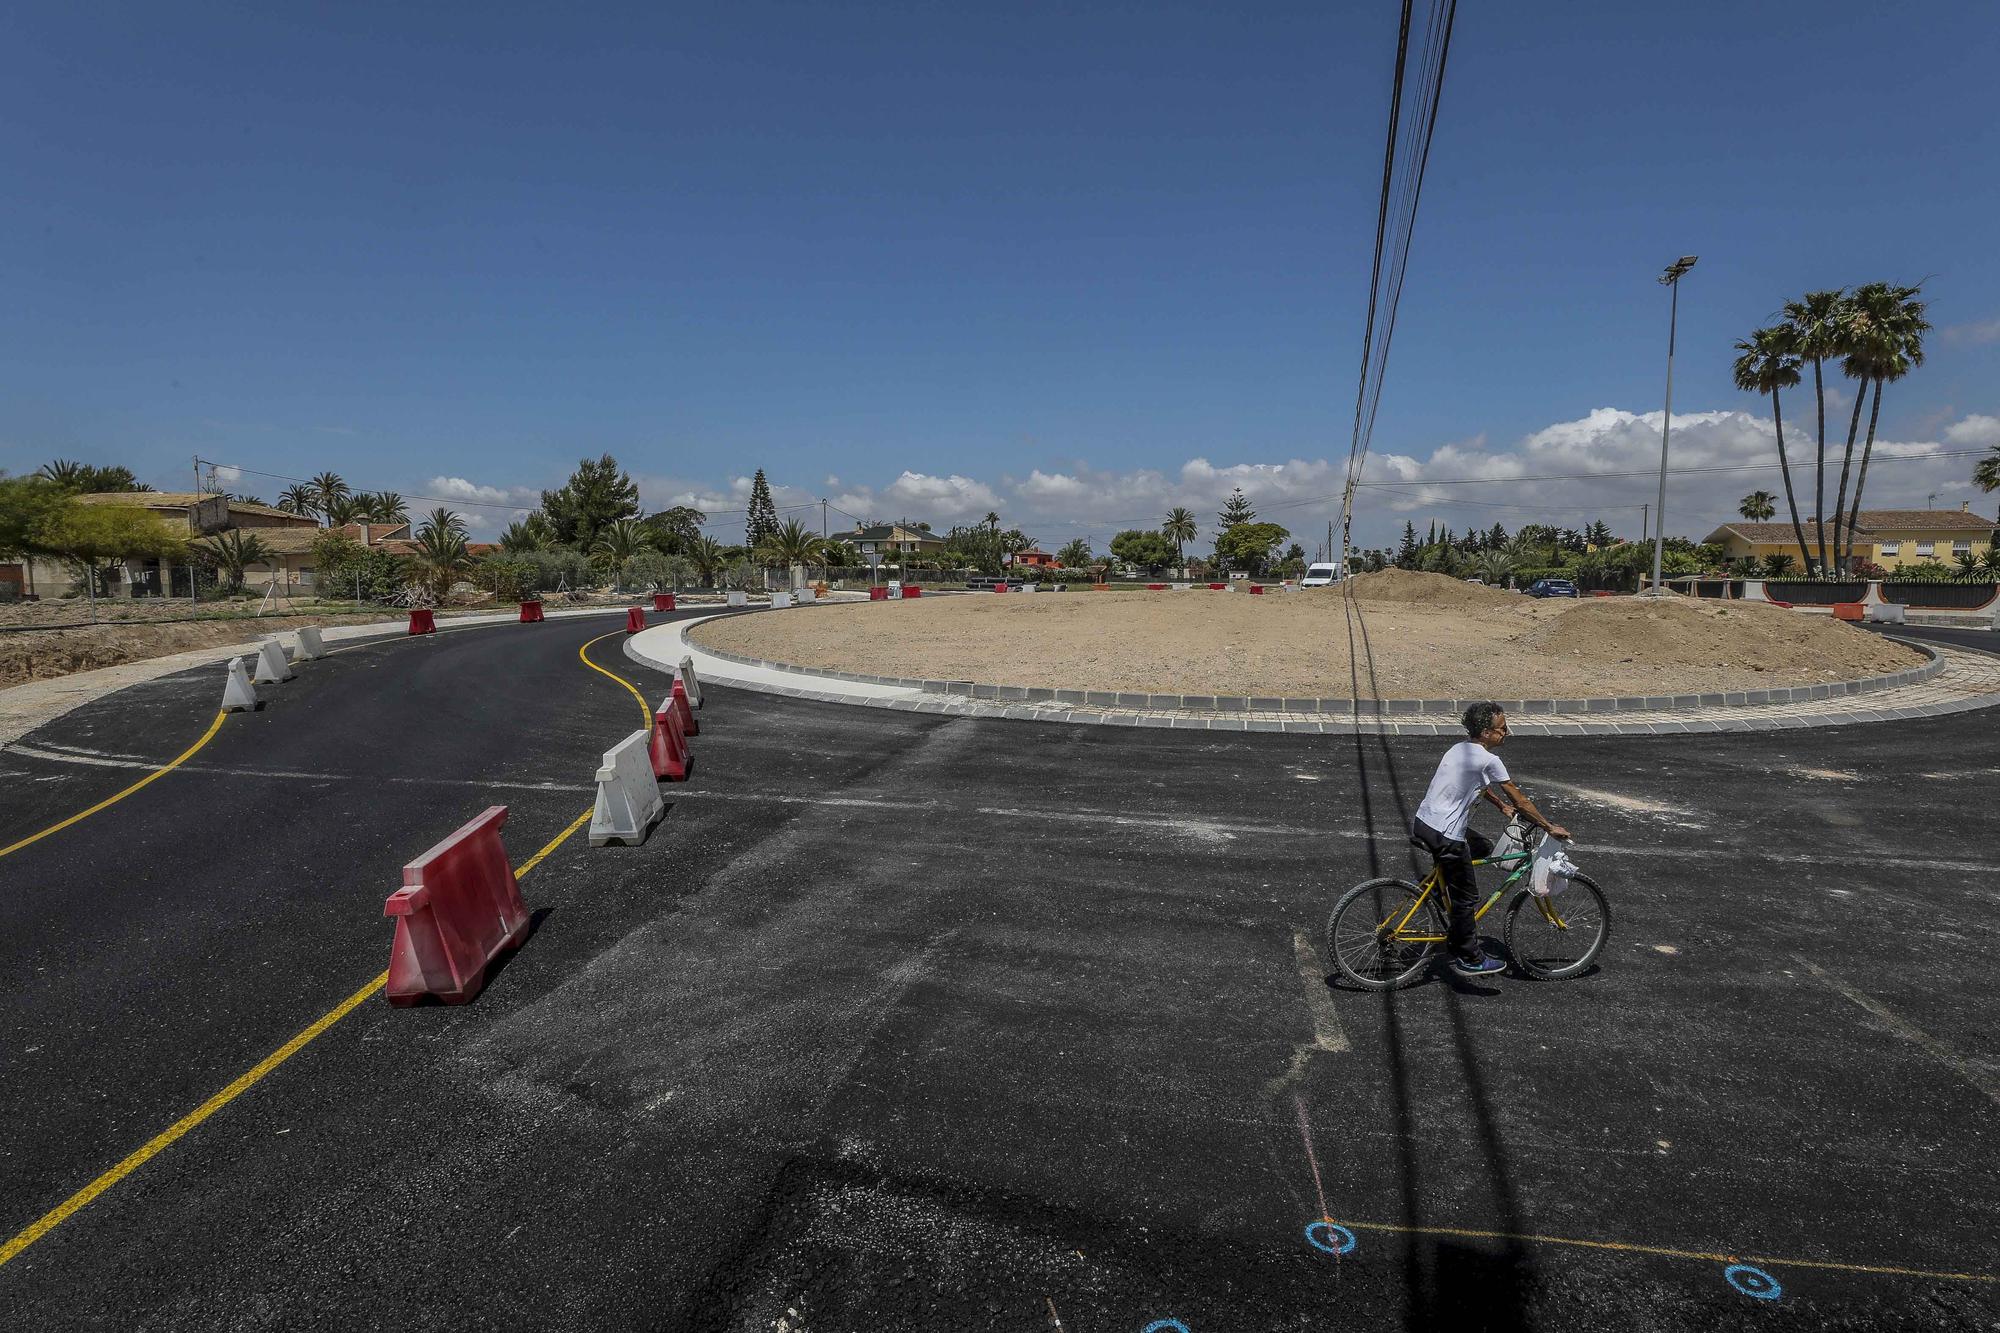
[1753, 1282]
[1166, 1326]
[1330, 1237]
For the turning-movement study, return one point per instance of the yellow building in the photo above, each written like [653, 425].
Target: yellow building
[288, 536]
[1892, 538]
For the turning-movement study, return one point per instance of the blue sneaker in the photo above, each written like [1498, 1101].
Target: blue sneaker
[1477, 967]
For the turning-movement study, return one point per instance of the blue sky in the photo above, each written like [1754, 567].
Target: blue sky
[1071, 262]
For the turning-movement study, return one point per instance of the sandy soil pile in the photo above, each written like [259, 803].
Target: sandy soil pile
[1413, 636]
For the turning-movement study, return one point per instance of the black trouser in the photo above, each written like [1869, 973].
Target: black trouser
[1454, 860]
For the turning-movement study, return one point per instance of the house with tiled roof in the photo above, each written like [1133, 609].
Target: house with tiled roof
[1891, 538]
[289, 536]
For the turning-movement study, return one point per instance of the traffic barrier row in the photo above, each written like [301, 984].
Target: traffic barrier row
[271, 666]
[460, 907]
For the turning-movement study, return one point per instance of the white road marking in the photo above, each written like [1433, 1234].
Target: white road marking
[1905, 1029]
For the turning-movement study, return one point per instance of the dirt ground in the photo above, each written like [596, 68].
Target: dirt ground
[1415, 636]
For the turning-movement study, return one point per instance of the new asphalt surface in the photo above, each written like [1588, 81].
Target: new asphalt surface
[907, 1022]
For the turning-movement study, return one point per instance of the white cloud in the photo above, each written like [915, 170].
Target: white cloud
[949, 497]
[458, 488]
[1977, 332]
[226, 475]
[1976, 431]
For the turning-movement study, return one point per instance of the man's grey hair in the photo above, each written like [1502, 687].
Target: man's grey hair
[1478, 719]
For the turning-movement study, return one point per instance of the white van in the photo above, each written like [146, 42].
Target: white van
[1318, 576]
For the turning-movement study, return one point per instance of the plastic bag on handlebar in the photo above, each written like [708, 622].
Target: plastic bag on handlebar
[1552, 869]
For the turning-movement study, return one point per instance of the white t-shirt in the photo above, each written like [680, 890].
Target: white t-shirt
[1466, 769]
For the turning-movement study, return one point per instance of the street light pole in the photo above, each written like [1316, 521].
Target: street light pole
[1672, 280]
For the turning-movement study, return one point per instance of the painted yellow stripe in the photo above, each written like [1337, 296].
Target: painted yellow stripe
[1665, 1251]
[56, 1216]
[109, 801]
[584, 653]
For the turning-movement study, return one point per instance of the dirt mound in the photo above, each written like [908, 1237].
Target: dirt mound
[1741, 636]
[1406, 587]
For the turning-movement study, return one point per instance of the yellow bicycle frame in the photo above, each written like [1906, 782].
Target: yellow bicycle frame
[1434, 882]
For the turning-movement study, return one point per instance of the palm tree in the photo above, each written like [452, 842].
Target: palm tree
[342, 510]
[1889, 344]
[619, 541]
[1757, 506]
[1494, 567]
[1986, 476]
[299, 499]
[232, 551]
[66, 473]
[1769, 363]
[705, 554]
[523, 536]
[1180, 530]
[386, 507]
[1074, 555]
[328, 489]
[792, 544]
[1818, 325]
[441, 554]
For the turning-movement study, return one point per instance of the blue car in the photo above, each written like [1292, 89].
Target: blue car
[1552, 588]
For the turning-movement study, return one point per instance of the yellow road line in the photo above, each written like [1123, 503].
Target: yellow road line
[56, 1216]
[1628, 1247]
[108, 801]
[583, 653]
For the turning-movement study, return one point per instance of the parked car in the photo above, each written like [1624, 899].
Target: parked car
[1318, 576]
[1552, 588]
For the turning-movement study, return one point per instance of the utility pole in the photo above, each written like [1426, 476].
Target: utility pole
[197, 476]
[822, 518]
[1671, 279]
[1645, 529]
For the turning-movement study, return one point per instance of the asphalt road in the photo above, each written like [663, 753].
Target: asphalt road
[903, 1022]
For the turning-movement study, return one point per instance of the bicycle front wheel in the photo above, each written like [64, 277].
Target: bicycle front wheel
[1379, 936]
[1558, 938]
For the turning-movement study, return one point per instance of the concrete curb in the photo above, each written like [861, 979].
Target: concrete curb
[1451, 708]
[1101, 708]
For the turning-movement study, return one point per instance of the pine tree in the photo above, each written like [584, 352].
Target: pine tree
[1406, 554]
[762, 521]
[1236, 509]
[1496, 538]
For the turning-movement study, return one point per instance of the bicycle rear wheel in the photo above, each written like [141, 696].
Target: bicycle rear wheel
[1374, 938]
[1558, 938]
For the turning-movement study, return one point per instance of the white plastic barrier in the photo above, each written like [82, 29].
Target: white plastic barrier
[628, 796]
[238, 696]
[689, 683]
[1885, 613]
[739, 598]
[780, 600]
[806, 596]
[1028, 587]
[272, 668]
[310, 645]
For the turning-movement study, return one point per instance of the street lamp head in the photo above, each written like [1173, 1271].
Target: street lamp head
[1677, 268]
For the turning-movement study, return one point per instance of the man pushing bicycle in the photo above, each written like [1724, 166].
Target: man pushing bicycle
[1468, 771]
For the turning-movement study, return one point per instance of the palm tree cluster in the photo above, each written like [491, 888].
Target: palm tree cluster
[331, 500]
[1876, 333]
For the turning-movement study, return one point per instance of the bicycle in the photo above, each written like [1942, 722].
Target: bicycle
[1384, 932]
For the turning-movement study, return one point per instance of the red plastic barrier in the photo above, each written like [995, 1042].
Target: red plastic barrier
[1256, 590]
[1156, 587]
[423, 620]
[1600, 592]
[531, 611]
[663, 601]
[635, 619]
[689, 727]
[878, 594]
[1847, 610]
[911, 590]
[672, 761]
[1000, 586]
[459, 909]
